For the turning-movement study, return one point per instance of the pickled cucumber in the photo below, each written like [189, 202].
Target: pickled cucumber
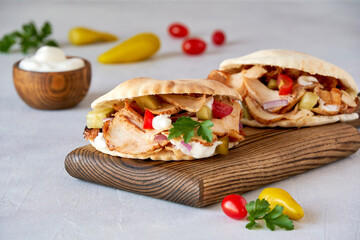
[308, 101]
[149, 102]
[246, 113]
[223, 148]
[204, 113]
[94, 118]
[272, 84]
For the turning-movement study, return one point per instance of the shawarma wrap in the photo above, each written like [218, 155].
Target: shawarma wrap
[165, 119]
[284, 88]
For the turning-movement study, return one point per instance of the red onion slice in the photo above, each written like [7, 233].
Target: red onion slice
[276, 103]
[188, 146]
[241, 126]
[107, 119]
[159, 138]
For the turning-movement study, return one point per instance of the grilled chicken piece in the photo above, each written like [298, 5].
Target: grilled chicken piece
[91, 133]
[185, 102]
[346, 109]
[236, 136]
[254, 72]
[125, 134]
[296, 114]
[296, 95]
[262, 94]
[128, 104]
[329, 101]
[166, 108]
[347, 99]
[328, 82]
[348, 105]
[313, 86]
[259, 114]
[272, 72]
[220, 76]
[264, 117]
[236, 81]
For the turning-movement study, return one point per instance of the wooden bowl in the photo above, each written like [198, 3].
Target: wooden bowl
[52, 90]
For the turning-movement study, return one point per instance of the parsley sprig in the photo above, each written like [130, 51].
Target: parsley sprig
[28, 37]
[185, 126]
[260, 210]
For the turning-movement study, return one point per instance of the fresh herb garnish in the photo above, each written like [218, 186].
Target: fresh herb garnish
[185, 126]
[28, 38]
[260, 210]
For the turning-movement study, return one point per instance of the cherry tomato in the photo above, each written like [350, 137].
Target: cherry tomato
[218, 37]
[221, 109]
[148, 118]
[178, 30]
[285, 84]
[194, 46]
[234, 206]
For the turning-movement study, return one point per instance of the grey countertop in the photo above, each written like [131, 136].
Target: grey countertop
[39, 200]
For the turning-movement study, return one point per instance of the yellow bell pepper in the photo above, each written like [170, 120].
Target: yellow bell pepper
[83, 36]
[134, 49]
[278, 196]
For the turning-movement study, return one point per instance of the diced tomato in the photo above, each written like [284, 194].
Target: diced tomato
[148, 118]
[285, 84]
[221, 109]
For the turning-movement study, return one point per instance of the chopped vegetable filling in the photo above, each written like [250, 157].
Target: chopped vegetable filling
[148, 124]
[272, 94]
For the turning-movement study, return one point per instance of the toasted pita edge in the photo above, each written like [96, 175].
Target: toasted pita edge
[163, 155]
[137, 87]
[303, 122]
[295, 60]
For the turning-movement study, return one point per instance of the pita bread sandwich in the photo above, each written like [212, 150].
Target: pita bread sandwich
[284, 88]
[166, 120]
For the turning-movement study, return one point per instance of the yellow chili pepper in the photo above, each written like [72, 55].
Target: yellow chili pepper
[83, 36]
[278, 196]
[136, 48]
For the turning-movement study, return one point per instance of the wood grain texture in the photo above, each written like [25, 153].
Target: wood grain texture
[52, 90]
[266, 156]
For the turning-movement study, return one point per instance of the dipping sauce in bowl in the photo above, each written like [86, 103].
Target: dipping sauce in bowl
[50, 59]
[50, 80]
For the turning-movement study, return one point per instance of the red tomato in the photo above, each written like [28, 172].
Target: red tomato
[218, 37]
[194, 46]
[285, 84]
[148, 117]
[178, 30]
[234, 206]
[221, 109]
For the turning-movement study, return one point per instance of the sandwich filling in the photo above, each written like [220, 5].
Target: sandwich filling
[195, 125]
[272, 94]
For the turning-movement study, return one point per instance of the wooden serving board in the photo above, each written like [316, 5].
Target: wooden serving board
[266, 156]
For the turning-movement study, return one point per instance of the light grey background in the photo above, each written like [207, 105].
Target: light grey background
[39, 200]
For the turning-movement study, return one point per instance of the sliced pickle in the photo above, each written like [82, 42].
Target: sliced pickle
[246, 113]
[205, 113]
[223, 148]
[272, 84]
[308, 101]
[149, 102]
[94, 118]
